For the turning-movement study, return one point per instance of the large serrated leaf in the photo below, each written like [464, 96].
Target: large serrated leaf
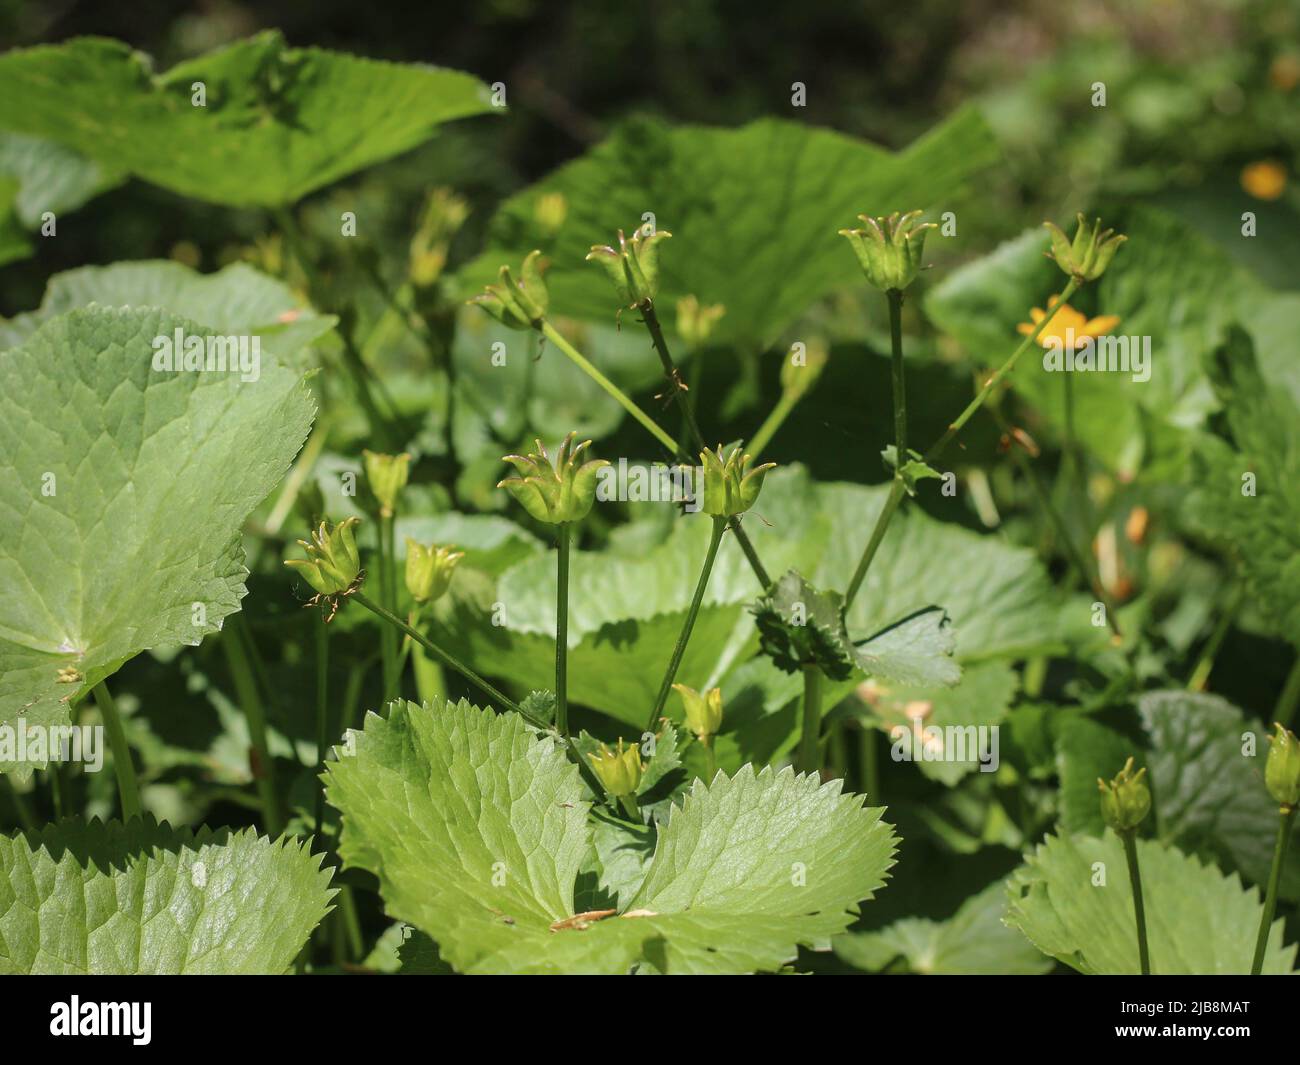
[236, 300]
[146, 898]
[1199, 921]
[122, 494]
[477, 831]
[278, 122]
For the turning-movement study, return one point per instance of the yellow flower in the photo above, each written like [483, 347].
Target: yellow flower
[1265, 180]
[1066, 319]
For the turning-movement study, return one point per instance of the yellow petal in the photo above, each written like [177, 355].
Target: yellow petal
[1101, 325]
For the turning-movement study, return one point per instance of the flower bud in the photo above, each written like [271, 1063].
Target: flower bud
[1282, 770]
[549, 212]
[618, 770]
[889, 248]
[728, 489]
[703, 710]
[634, 265]
[798, 377]
[429, 570]
[387, 476]
[555, 493]
[695, 322]
[1126, 799]
[332, 563]
[519, 304]
[1087, 258]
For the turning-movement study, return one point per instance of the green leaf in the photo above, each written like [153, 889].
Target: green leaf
[95, 898]
[914, 469]
[477, 831]
[278, 123]
[800, 624]
[39, 176]
[915, 651]
[1199, 921]
[754, 213]
[999, 597]
[1209, 793]
[492, 544]
[972, 942]
[1087, 751]
[113, 471]
[981, 699]
[235, 301]
[1261, 531]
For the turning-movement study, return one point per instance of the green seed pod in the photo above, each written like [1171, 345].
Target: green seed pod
[387, 476]
[429, 570]
[332, 563]
[703, 710]
[634, 265]
[1088, 256]
[1126, 799]
[889, 248]
[555, 493]
[1282, 770]
[519, 304]
[619, 770]
[728, 489]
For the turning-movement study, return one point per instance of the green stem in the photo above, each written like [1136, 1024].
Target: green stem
[628, 802]
[565, 534]
[982, 396]
[895, 298]
[127, 787]
[867, 745]
[773, 422]
[1077, 557]
[810, 751]
[710, 758]
[387, 635]
[719, 524]
[1286, 702]
[697, 438]
[1205, 660]
[505, 702]
[322, 727]
[1285, 822]
[263, 768]
[1139, 911]
[21, 808]
[896, 492]
[619, 396]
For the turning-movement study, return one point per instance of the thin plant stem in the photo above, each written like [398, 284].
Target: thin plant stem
[55, 773]
[896, 492]
[505, 702]
[710, 758]
[1200, 674]
[775, 419]
[128, 789]
[387, 635]
[1074, 553]
[719, 524]
[250, 701]
[899, 379]
[629, 804]
[1286, 702]
[322, 695]
[617, 394]
[867, 763]
[995, 379]
[810, 751]
[565, 535]
[1285, 822]
[21, 808]
[1139, 910]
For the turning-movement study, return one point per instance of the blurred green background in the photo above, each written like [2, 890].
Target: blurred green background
[1202, 113]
